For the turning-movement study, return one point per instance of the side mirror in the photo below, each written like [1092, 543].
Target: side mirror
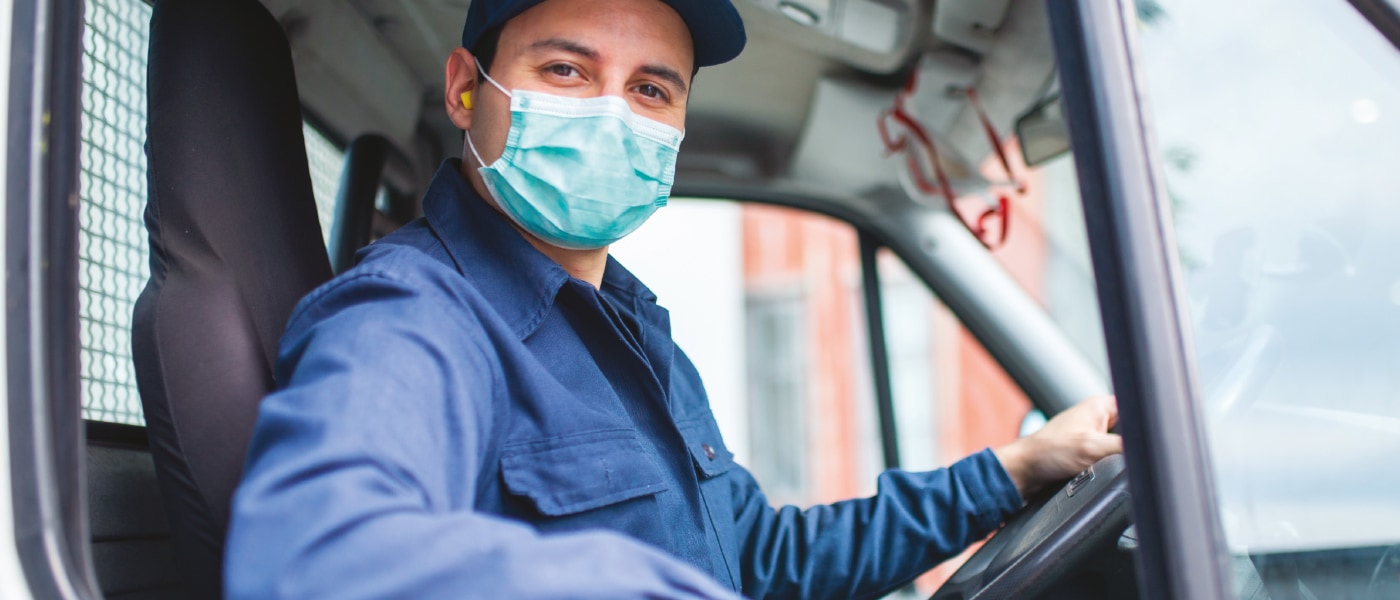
[1042, 132]
[1033, 422]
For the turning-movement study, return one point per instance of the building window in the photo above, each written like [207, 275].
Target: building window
[776, 375]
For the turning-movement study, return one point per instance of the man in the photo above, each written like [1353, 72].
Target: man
[489, 406]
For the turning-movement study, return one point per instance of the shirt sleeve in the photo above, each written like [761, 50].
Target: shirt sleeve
[384, 407]
[869, 547]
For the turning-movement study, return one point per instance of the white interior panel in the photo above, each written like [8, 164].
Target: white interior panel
[872, 25]
[969, 23]
[333, 47]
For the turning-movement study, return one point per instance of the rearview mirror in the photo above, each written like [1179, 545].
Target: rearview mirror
[1042, 132]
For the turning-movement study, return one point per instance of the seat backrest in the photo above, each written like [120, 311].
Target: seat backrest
[235, 243]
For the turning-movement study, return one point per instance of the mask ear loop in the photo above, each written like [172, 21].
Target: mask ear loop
[470, 145]
[482, 71]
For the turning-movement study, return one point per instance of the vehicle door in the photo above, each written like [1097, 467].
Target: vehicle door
[1236, 162]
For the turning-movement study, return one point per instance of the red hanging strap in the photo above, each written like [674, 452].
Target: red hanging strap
[999, 214]
[925, 142]
[994, 139]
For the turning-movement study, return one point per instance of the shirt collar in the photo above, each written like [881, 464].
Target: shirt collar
[520, 282]
[622, 281]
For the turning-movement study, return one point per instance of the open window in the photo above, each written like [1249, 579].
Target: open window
[770, 303]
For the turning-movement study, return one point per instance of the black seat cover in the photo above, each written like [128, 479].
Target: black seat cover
[235, 243]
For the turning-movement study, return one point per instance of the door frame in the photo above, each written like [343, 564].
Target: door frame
[47, 496]
[1182, 551]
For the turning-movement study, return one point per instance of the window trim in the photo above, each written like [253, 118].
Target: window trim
[873, 293]
[41, 254]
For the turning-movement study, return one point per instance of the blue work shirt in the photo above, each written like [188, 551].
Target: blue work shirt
[458, 417]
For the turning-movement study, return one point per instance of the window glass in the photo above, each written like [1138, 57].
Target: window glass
[808, 267]
[113, 250]
[951, 397]
[768, 303]
[112, 182]
[1277, 122]
[326, 161]
[1047, 248]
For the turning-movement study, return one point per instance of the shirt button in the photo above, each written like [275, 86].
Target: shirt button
[709, 451]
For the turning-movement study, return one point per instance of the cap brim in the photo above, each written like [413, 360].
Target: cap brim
[715, 27]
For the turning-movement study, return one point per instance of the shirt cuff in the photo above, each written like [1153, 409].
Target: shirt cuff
[984, 477]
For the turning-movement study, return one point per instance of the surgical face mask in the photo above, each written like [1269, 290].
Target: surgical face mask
[579, 173]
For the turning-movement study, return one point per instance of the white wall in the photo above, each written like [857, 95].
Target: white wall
[691, 255]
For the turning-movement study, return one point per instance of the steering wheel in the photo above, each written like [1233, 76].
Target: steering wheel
[1048, 538]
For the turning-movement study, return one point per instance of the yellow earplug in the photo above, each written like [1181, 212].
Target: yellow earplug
[467, 100]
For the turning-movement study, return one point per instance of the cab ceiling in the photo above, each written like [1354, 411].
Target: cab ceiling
[377, 66]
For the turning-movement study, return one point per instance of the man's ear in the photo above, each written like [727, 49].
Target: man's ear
[460, 78]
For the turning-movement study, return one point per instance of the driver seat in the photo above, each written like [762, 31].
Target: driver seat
[235, 243]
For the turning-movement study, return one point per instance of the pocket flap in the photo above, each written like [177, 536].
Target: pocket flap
[706, 447]
[580, 472]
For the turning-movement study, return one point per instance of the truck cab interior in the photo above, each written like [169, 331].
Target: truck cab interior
[180, 174]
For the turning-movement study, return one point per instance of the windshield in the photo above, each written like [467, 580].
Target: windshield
[1278, 122]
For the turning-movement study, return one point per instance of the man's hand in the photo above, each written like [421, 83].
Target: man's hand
[1068, 444]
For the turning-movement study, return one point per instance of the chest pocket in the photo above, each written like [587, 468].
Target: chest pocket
[707, 449]
[575, 473]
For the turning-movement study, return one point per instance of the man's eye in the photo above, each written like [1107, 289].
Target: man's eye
[562, 70]
[651, 91]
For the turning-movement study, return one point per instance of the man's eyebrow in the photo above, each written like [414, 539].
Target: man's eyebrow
[666, 73]
[572, 47]
[569, 46]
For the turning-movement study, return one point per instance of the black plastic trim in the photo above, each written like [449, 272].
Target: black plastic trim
[41, 293]
[360, 180]
[879, 349]
[117, 435]
[1382, 14]
[1182, 552]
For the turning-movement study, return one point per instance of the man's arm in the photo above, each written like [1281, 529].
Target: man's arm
[355, 474]
[869, 547]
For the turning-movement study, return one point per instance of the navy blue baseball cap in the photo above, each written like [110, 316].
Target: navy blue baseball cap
[715, 26]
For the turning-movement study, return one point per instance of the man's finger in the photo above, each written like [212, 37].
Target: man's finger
[1106, 445]
[1108, 406]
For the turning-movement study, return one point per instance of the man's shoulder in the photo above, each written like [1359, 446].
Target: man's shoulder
[413, 249]
[406, 275]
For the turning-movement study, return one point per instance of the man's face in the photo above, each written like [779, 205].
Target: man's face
[638, 50]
